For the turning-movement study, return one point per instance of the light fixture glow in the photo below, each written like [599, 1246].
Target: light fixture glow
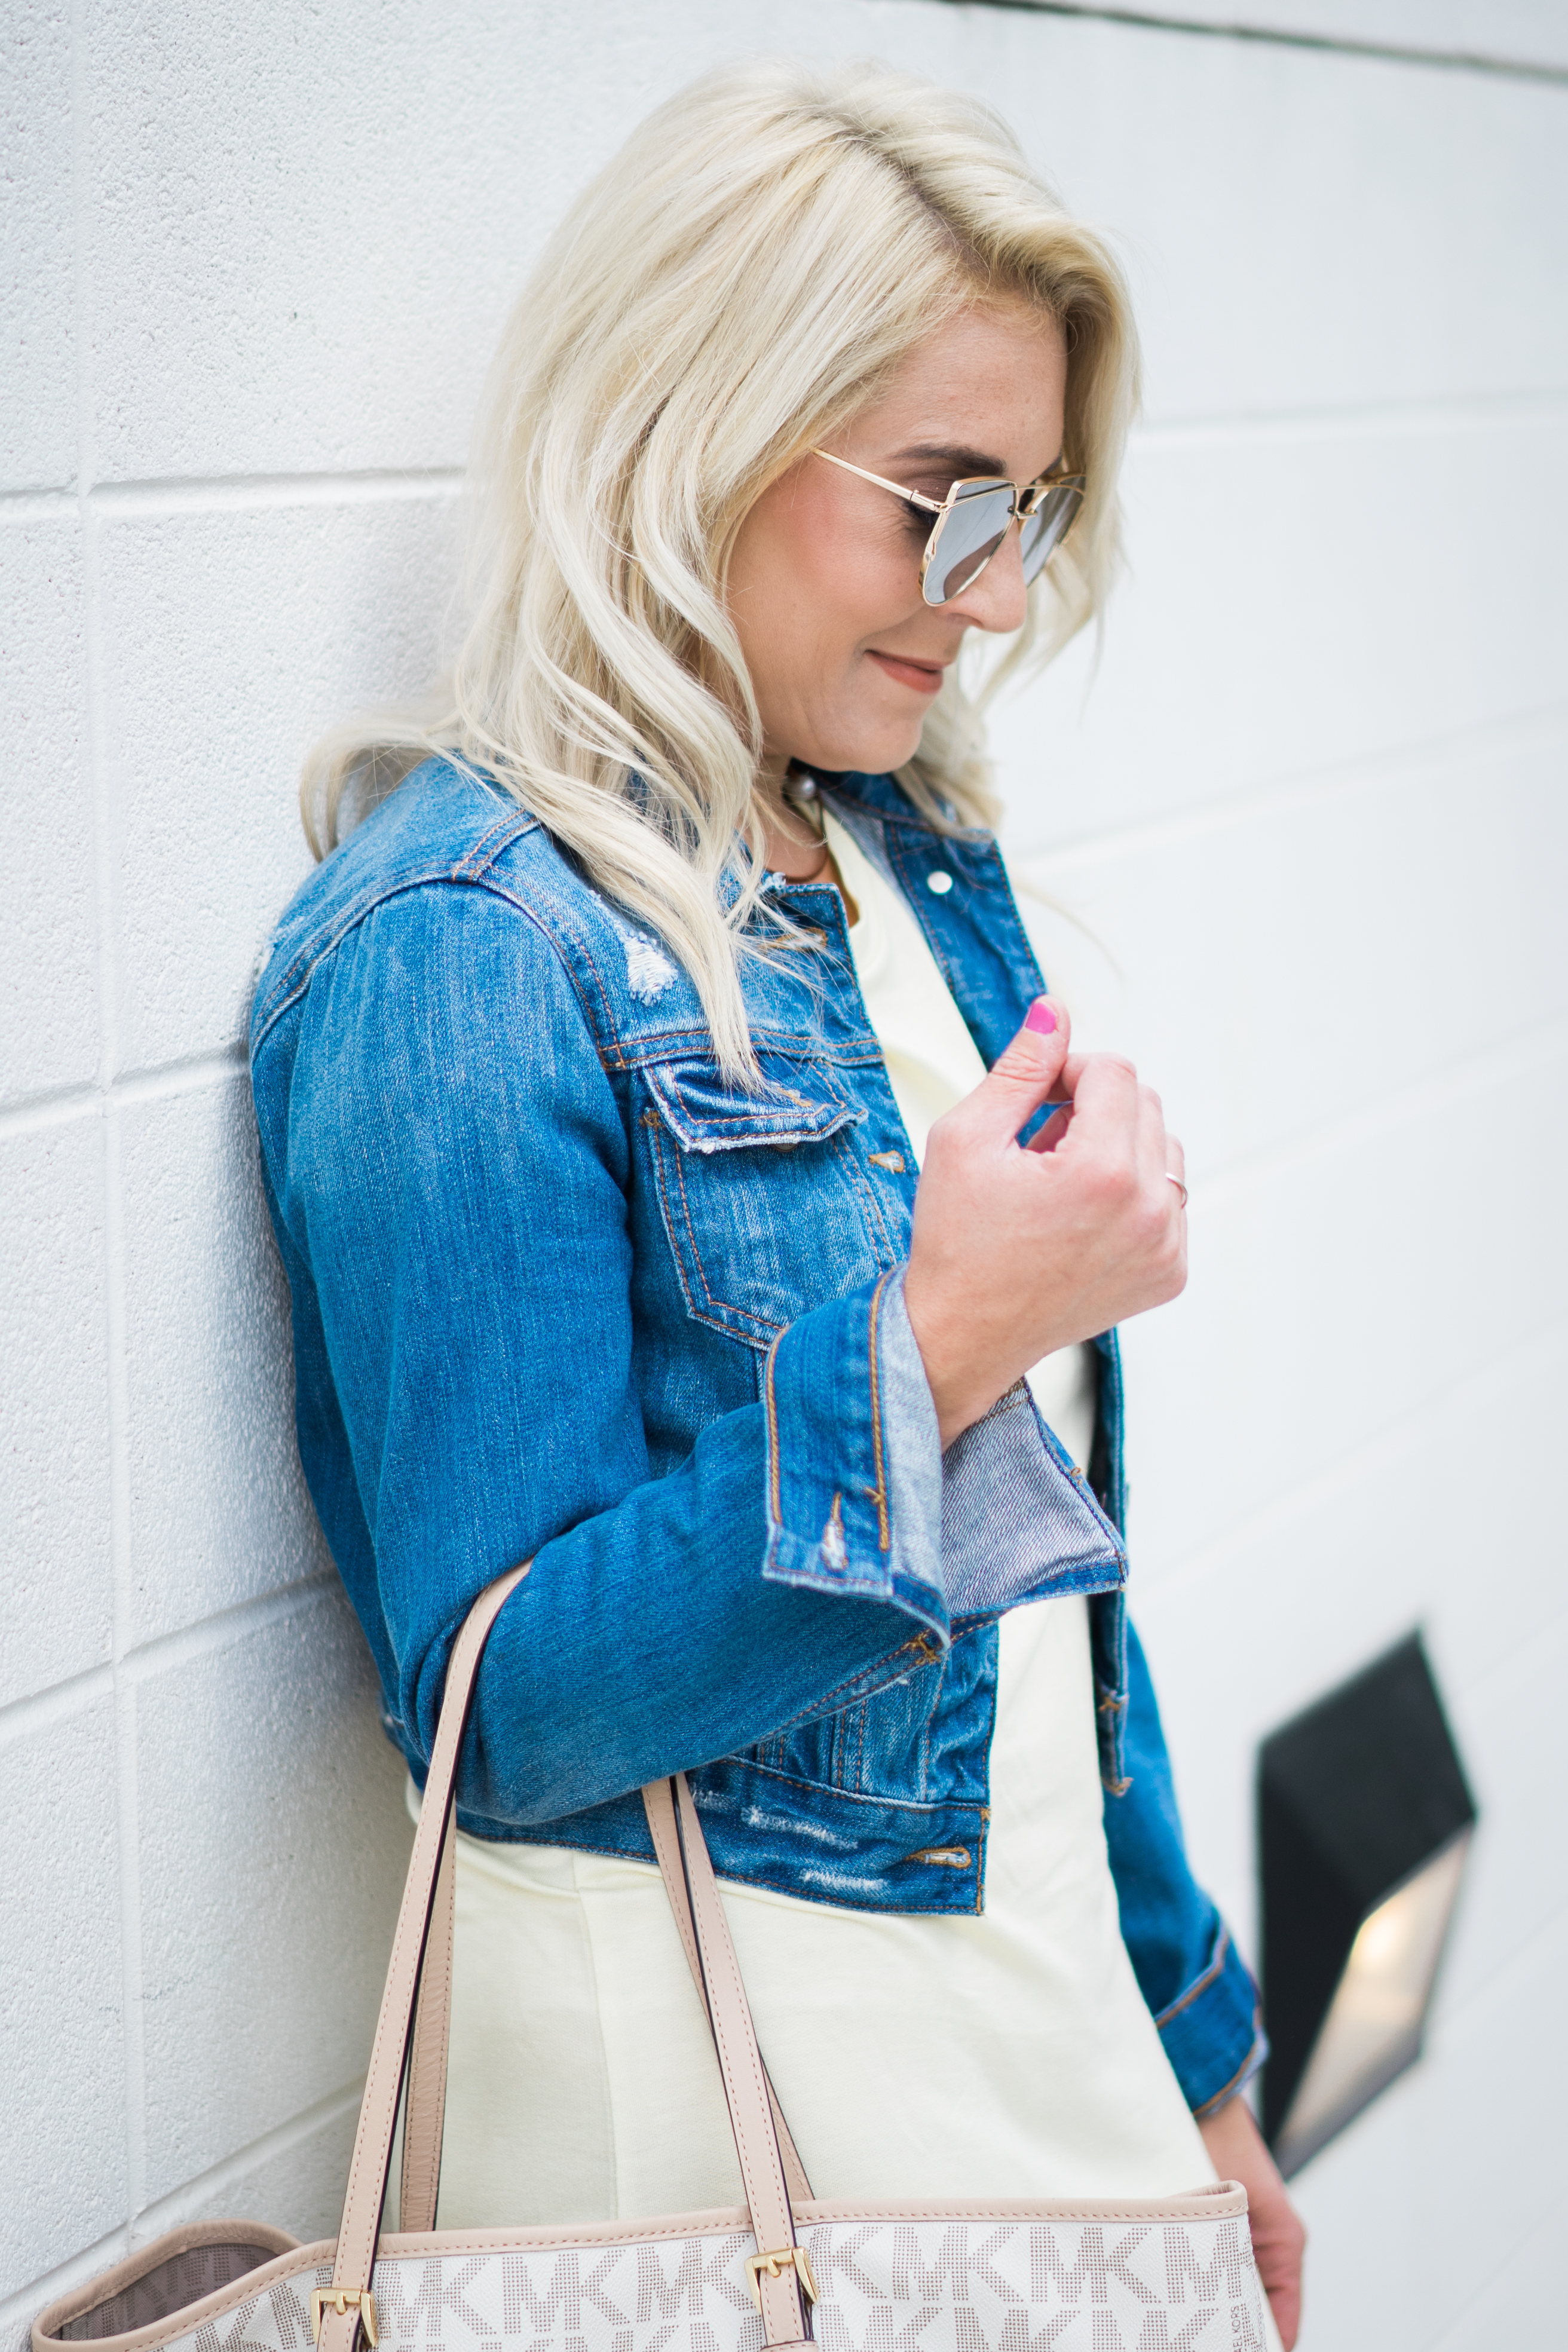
[1372, 2030]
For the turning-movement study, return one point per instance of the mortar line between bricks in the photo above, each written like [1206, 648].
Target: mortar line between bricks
[134, 2023]
[136, 1664]
[181, 1076]
[1544, 1630]
[1521, 1961]
[232, 494]
[1508, 1059]
[19, 2308]
[22, 2306]
[1505, 1983]
[39, 506]
[224, 493]
[1484, 62]
[1353, 421]
[81, 273]
[1551, 2230]
[106, 892]
[1539, 729]
[1389, 1445]
[127, 1810]
[185, 2202]
[160, 1081]
[183, 1644]
[37, 1710]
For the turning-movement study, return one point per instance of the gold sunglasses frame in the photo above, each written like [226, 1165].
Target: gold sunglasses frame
[1027, 498]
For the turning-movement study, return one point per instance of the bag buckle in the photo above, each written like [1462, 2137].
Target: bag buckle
[787, 2258]
[341, 2299]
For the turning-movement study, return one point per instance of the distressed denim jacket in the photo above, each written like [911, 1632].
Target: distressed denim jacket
[562, 1292]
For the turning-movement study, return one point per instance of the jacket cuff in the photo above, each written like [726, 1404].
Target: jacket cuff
[862, 1501]
[1018, 1519]
[1212, 2032]
[854, 1457]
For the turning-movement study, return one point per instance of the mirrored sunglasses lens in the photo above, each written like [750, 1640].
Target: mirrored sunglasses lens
[967, 537]
[1043, 532]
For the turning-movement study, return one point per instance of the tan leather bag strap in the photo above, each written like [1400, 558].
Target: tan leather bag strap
[778, 2271]
[778, 2268]
[372, 2160]
[425, 2102]
[659, 1806]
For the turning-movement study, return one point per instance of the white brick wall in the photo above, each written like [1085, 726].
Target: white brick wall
[1311, 814]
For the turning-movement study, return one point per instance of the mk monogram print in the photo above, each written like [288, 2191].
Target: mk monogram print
[886, 2286]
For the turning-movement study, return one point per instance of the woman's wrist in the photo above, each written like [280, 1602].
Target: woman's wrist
[962, 1391]
[1239, 2152]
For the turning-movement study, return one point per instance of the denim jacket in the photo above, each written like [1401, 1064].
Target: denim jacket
[562, 1292]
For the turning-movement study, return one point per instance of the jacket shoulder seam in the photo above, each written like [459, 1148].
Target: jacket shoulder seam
[308, 961]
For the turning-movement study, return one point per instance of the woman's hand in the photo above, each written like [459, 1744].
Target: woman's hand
[1238, 2152]
[1019, 1251]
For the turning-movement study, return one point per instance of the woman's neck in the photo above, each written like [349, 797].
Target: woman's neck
[795, 847]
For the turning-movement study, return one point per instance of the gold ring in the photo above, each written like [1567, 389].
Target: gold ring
[1179, 1185]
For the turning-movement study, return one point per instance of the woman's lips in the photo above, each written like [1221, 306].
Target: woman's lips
[924, 676]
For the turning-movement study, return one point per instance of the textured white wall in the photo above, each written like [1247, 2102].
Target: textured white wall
[1310, 815]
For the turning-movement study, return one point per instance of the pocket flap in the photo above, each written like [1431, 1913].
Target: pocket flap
[705, 1113]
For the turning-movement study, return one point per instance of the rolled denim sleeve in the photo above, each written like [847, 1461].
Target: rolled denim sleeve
[854, 1458]
[861, 1498]
[1195, 1982]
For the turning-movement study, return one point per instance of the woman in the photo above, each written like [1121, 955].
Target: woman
[595, 1071]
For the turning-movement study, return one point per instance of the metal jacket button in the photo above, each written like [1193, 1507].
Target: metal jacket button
[940, 883]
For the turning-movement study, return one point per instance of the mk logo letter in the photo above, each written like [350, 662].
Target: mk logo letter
[694, 2276]
[952, 2268]
[835, 2336]
[1224, 2279]
[558, 2311]
[1194, 2337]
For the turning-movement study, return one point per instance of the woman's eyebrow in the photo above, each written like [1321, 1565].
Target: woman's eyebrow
[943, 453]
[964, 462]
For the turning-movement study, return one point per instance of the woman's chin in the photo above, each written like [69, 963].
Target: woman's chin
[871, 750]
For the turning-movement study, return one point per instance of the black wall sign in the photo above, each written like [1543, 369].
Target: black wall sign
[1365, 1821]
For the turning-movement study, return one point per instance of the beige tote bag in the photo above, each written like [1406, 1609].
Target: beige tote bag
[1173, 2274]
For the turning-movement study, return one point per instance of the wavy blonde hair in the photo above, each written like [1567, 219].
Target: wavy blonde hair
[744, 275]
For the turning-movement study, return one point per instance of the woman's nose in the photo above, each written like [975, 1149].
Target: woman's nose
[998, 599]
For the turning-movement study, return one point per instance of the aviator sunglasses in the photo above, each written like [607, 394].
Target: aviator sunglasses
[975, 517]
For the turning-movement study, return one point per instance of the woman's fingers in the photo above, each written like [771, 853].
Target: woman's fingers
[1103, 1139]
[1045, 1139]
[1102, 1118]
[1104, 1086]
[1110, 1113]
[1164, 1194]
[1023, 1077]
[1016, 1253]
[1153, 1142]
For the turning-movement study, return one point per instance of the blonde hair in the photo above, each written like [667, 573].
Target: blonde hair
[743, 276]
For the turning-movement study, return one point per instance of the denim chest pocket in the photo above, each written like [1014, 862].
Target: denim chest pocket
[765, 1198]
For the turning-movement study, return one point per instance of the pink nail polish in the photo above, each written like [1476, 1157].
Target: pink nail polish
[1040, 1017]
